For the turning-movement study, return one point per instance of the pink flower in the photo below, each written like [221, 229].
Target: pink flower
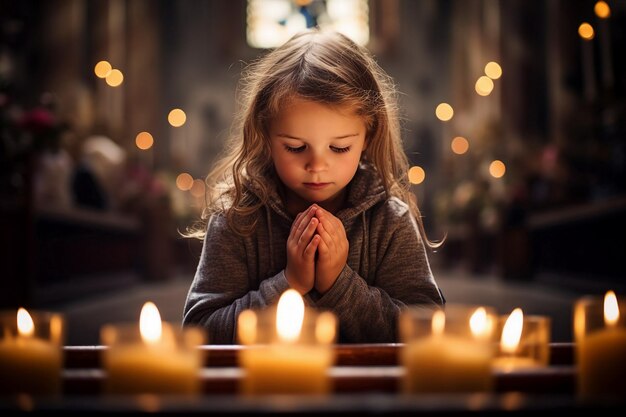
[39, 120]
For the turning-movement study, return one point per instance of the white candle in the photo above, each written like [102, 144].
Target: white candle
[524, 342]
[152, 357]
[454, 356]
[30, 353]
[601, 348]
[291, 355]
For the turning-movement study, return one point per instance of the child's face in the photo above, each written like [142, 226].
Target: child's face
[316, 148]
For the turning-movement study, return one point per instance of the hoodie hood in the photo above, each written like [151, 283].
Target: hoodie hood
[365, 190]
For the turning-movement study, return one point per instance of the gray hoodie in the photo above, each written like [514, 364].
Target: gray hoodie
[387, 268]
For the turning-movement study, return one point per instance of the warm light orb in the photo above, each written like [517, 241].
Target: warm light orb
[144, 140]
[611, 309]
[512, 331]
[602, 10]
[479, 325]
[444, 112]
[177, 117]
[438, 323]
[459, 145]
[484, 86]
[25, 325]
[56, 329]
[247, 324]
[115, 78]
[184, 181]
[289, 316]
[150, 323]
[197, 188]
[325, 327]
[416, 175]
[497, 169]
[102, 69]
[493, 70]
[585, 30]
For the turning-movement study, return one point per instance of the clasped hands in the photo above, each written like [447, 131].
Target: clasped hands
[315, 231]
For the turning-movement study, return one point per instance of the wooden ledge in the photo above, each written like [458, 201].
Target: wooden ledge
[348, 379]
[384, 354]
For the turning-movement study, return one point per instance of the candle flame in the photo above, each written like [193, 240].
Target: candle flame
[289, 315]
[611, 309]
[150, 323]
[478, 322]
[438, 322]
[512, 331]
[25, 325]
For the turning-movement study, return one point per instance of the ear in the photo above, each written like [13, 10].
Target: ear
[364, 154]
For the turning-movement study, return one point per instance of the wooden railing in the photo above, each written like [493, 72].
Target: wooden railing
[80, 357]
[366, 379]
[358, 369]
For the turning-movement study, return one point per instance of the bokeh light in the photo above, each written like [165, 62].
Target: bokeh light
[602, 10]
[585, 30]
[444, 112]
[416, 175]
[497, 169]
[177, 117]
[184, 181]
[459, 145]
[102, 69]
[115, 78]
[493, 70]
[144, 140]
[197, 188]
[484, 85]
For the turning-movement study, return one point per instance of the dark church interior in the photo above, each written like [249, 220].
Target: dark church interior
[101, 176]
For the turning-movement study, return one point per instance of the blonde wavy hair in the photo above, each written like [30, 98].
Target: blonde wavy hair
[325, 67]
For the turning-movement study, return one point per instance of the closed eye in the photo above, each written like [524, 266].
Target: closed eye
[340, 150]
[295, 150]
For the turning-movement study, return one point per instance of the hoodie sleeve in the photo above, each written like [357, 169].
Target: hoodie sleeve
[222, 288]
[403, 277]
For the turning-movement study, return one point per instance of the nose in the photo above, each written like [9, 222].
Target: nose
[316, 162]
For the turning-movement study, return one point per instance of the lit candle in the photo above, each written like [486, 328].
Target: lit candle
[447, 350]
[288, 348]
[152, 357]
[601, 347]
[524, 342]
[30, 353]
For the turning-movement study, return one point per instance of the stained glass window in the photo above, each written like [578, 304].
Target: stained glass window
[271, 22]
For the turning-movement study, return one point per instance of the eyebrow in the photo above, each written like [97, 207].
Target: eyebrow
[285, 135]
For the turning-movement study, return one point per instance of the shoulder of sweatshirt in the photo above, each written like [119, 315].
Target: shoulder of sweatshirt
[218, 221]
[391, 211]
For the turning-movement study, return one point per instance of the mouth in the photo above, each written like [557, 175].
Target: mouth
[316, 185]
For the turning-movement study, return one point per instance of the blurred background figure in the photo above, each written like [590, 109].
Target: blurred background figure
[99, 173]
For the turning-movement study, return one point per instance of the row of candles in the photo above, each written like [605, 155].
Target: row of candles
[288, 348]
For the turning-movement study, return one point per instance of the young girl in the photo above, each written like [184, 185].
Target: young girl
[313, 194]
